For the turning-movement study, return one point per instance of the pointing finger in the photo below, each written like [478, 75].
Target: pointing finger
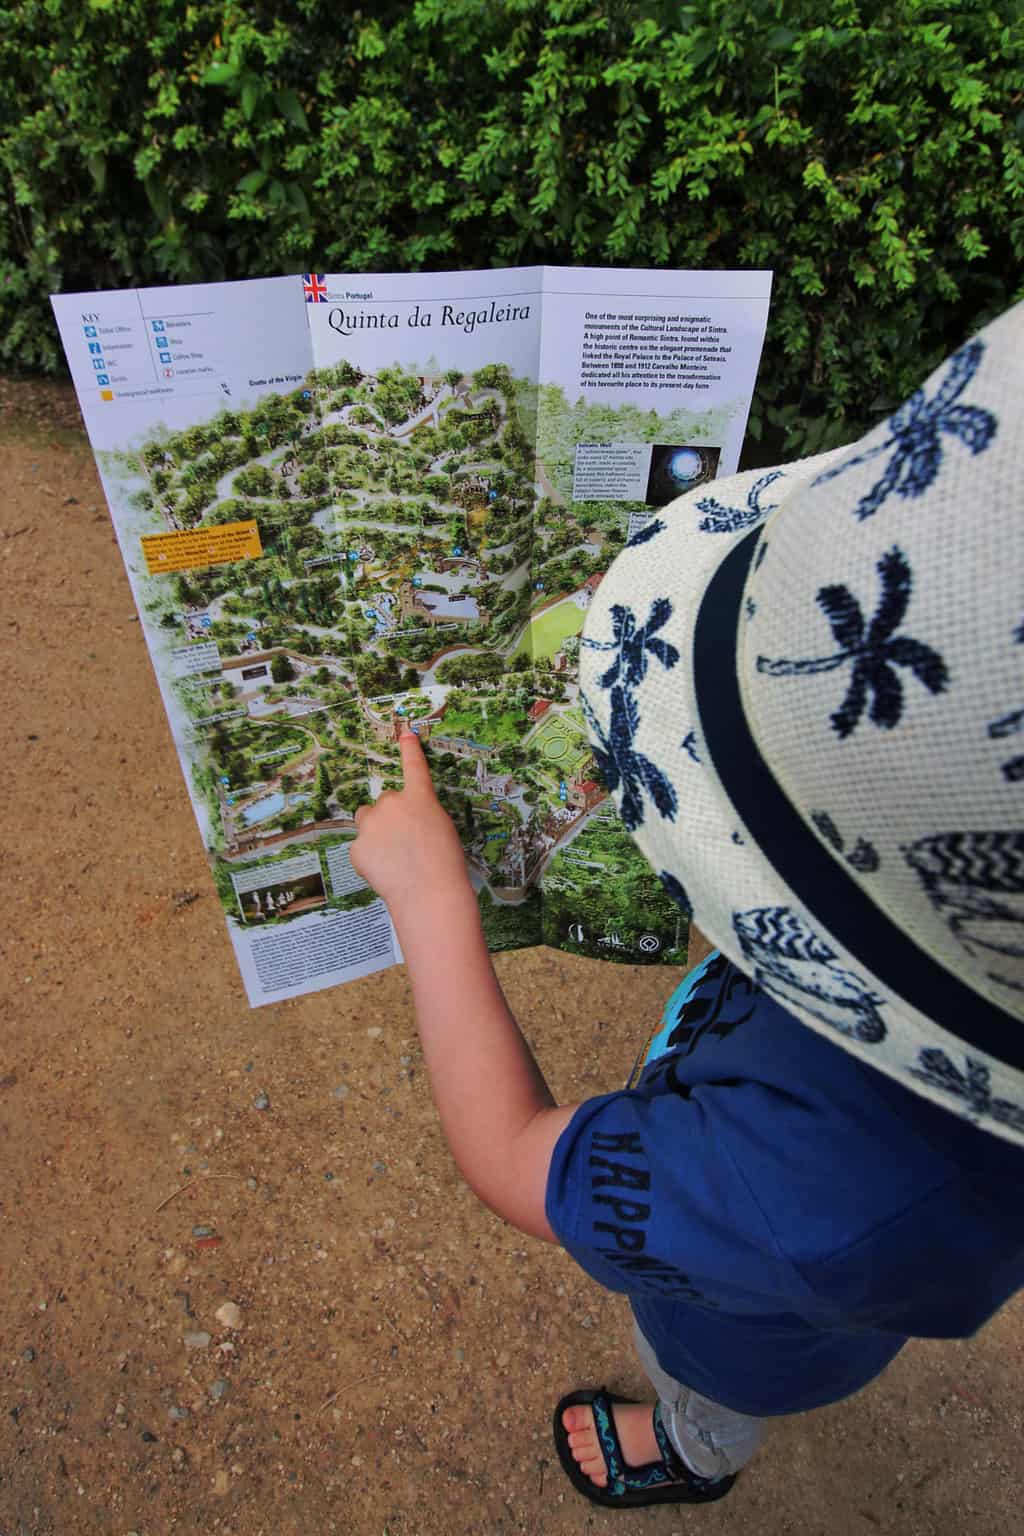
[415, 769]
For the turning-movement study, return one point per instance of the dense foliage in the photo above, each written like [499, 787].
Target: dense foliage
[870, 151]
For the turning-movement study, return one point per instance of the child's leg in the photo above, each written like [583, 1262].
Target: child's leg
[712, 1440]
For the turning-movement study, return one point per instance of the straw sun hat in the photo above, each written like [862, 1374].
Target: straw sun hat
[805, 690]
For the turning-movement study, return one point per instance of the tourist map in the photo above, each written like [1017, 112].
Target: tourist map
[347, 503]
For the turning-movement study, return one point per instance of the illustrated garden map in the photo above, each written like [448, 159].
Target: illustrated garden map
[346, 502]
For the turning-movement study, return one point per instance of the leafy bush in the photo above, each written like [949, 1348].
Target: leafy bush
[872, 153]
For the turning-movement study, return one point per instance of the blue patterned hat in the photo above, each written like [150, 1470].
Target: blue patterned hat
[805, 689]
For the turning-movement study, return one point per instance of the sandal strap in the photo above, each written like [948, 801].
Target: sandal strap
[611, 1447]
[623, 1478]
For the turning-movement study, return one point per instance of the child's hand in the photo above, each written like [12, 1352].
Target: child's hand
[407, 846]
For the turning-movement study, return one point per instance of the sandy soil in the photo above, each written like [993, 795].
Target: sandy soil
[400, 1350]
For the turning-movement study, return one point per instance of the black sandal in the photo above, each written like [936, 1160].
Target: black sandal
[668, 1481]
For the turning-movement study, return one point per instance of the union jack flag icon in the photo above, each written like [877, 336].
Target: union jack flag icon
[314, 287]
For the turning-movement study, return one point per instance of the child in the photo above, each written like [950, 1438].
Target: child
[804, 691]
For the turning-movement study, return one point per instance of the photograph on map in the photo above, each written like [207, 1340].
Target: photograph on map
[283, 898]
[676, 468]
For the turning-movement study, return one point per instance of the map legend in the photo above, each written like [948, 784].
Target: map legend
[185, 347]
[126, 352]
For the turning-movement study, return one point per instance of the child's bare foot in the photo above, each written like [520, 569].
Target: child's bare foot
[634, 1424]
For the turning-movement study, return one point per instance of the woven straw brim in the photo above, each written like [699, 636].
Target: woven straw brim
[711, 860]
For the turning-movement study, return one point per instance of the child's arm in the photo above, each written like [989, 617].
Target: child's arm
[496, 1111]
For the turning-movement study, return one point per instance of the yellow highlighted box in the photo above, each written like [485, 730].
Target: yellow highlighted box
[188, 551]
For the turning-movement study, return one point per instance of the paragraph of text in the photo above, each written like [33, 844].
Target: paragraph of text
[651, 351]
[183, 551]
[336, 944]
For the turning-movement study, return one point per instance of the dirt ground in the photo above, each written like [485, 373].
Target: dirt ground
[399, 1350]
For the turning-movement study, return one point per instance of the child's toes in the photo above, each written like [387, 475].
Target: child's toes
[583, 1442]
[596, 1470]
[577, 1418]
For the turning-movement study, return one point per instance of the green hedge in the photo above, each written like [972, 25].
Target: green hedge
[872, 153]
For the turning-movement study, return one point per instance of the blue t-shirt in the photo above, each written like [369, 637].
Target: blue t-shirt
[782, 1216]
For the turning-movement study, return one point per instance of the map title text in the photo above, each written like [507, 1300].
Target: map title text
[347, 321]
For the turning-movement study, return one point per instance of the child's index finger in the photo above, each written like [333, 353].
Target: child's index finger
[415, 768]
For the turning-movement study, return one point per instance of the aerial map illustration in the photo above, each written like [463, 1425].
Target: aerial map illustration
[420, 560]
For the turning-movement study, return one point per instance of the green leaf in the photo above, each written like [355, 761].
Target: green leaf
[780, 39]
[298, 199]
[370, 43]
[97, 168]
[252, 183]
[290, 107]
[220, 72]
[702, 50]
[251, 91]
[159, 201]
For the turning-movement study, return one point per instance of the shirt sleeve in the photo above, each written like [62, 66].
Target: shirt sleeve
[644, 1194]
